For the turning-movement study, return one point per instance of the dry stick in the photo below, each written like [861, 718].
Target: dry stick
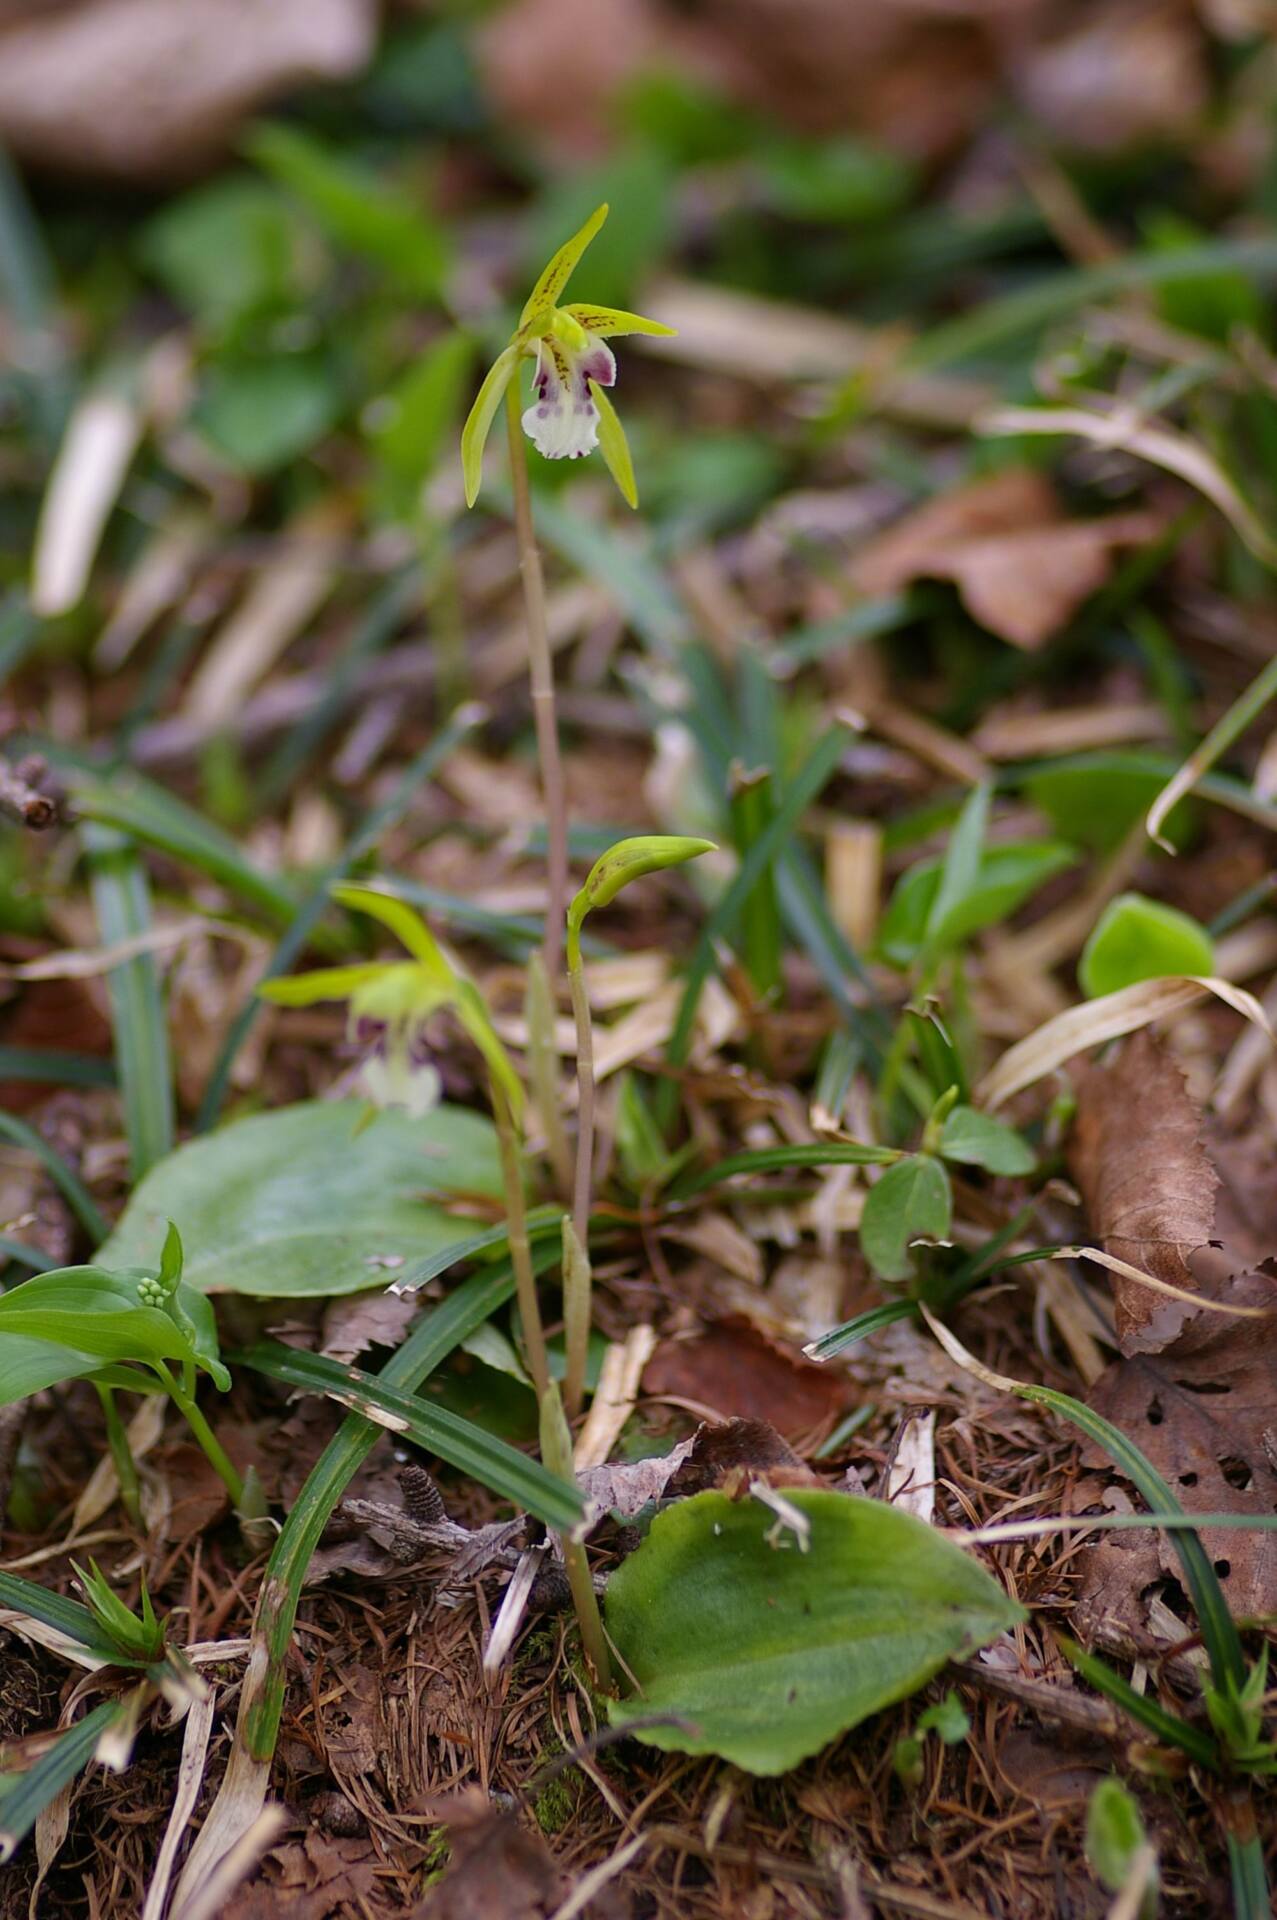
[541, 678]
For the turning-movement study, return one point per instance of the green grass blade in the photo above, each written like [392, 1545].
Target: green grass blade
[53, 1610]
[305, 917]
[24, 1796]
[122, 899]
[148, 814]
[1167, 1726]
[814, 1153]
[26, 1256]
[54, 1067]
[460, 1442]
[859, 1328]
[69, 1185]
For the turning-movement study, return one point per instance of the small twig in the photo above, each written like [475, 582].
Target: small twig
[21, 799]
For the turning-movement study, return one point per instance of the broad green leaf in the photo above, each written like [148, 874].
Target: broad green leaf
[298, 1202]
[911, 1201]
[1140, 939]
[92, 1311]
[771, 1651]
[28, 1366]
[629, 860]
[359, 209]
[260, 412]
[1007, 876]
[1095, 799]
[977, 1140]
[227, 250]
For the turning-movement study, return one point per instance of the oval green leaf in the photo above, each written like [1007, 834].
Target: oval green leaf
[771, 1652]
[1140, 939]
[977, 1140]
[297, 1202]
[912, 1201]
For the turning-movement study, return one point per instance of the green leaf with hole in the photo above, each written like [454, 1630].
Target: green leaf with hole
[300, 1202]
[912, 1201]
[1140, 939]
[771, 1651]
[977, 1140]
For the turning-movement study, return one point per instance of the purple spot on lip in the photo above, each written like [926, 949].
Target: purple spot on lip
[543, 411]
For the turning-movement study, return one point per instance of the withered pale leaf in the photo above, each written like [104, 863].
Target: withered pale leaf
[1147, 1181]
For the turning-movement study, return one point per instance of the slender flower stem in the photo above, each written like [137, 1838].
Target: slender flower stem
[556, 1452]
[122, 1455]
[578, 1322]
[541, 678]
[216, 1454]
[525, 1284]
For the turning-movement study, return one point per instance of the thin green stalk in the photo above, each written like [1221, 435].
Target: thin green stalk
[1226, 729]
[520, 1248]
[556, 1452]
[576, 1265]
[215, 1453]
[541, 678]
[122, 1454]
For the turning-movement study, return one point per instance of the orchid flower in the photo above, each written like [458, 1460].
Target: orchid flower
[390, 1003]
[571, 413]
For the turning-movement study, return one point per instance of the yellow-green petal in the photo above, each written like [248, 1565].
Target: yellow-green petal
[613, 445]
[474, 434]
[406, 925]
[472, 1012]
[545, 294]
[614, 320]
[325, 983]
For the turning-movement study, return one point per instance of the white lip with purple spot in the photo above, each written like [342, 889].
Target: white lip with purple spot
[563, 421]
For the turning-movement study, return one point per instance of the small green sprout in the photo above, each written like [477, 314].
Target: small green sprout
[571, 413]
[628, 860]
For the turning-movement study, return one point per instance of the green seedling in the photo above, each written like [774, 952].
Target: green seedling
[947, 1720]
[1118, 1849]
[912, 1200]
[939, 905]
[132, 1328]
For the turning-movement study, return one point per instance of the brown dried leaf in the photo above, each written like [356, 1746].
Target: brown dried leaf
[1197, 1392]
[497, 1866]
[141, 89]
[731, 1370]
[1021, 567]
[1205, 1413]
[1147, 1181]
[310, 1880]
